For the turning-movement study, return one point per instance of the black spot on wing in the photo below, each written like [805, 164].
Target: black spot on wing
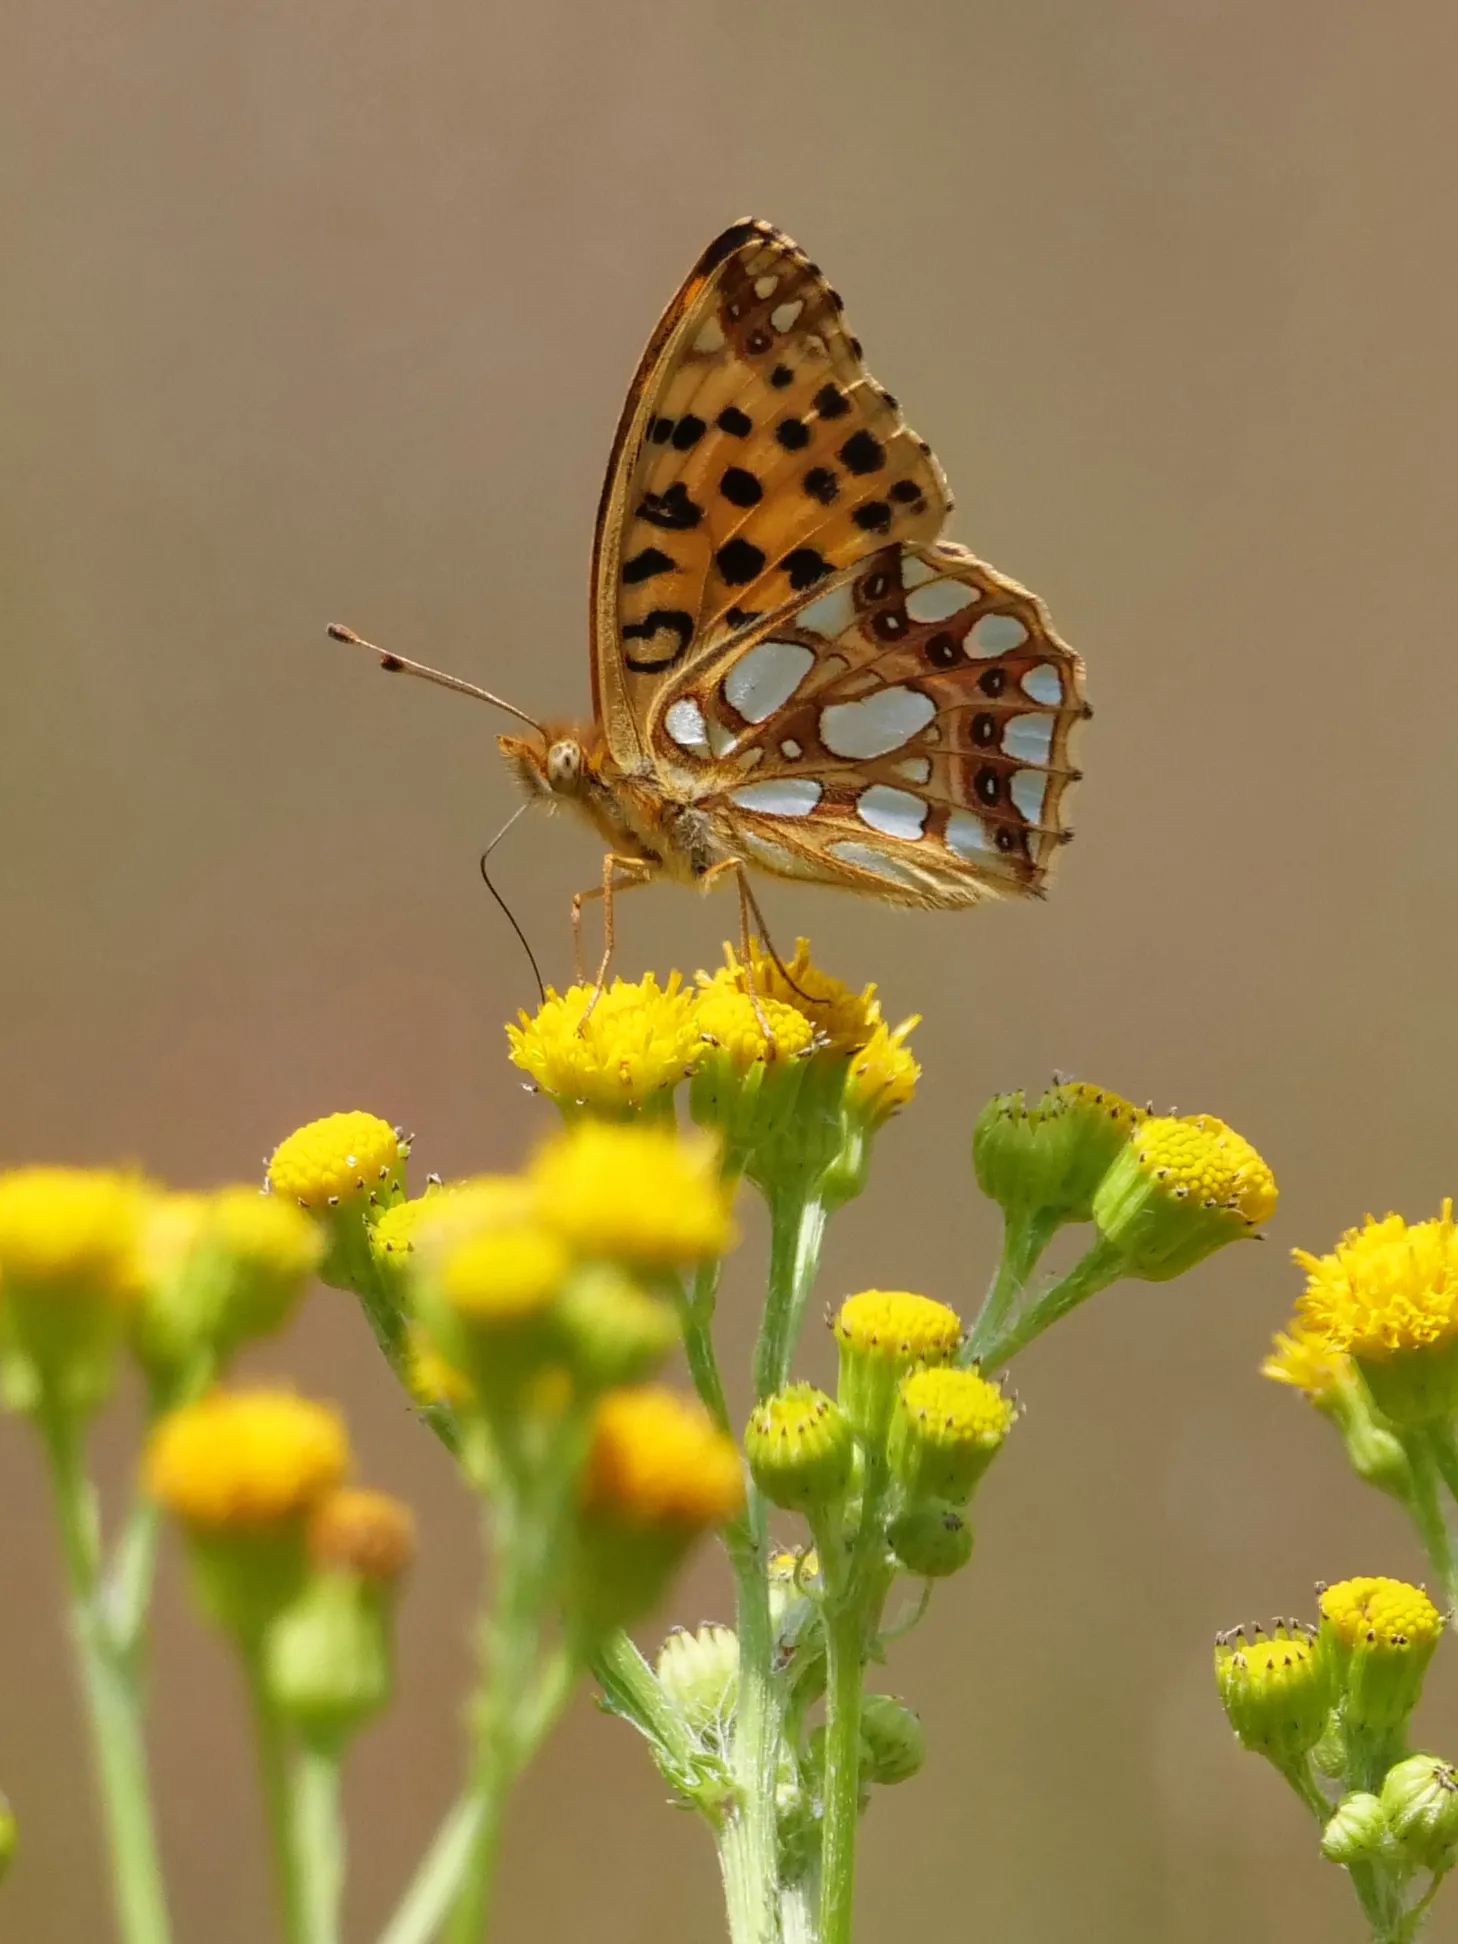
[831, 402]
[792, 435]
[873, 517]
[862, 452]
[673, 510]
[736, 423]
[741, 488]
[688, 432]
[645, 565]
[820, 484]
[739, 561]
[805, 566]
[781, 376]
[672, 621]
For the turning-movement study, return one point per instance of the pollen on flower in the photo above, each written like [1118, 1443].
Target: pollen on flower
[658, 1460]
[1198, 1159]
[341, 1159]
[638, 1040]
[358, 1531]
[72, 1231]
[884, 1073]
[246, 1458]
[1305, 1360]
[1387, 1287]
[727, 1018]
[841, 1018]
[899, 1327]
[1381, 1612]
[638, 1194]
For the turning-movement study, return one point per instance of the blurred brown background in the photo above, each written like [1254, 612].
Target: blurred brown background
[313, 311]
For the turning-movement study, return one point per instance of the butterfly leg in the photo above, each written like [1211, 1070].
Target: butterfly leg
[748, 910]
[635, 872]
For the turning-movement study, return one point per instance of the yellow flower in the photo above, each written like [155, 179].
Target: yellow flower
[1386, 1288]
[839, 1017]
[70, 1275]
[636, 1044]
[946, 1428]
[725, 1015]
[800, 1448]
[883, 1073]
[1378, 1636]
[1276, 1690]
[67, 1232]
[245, 1459]
[884, 1334]
[1178, 1190]
[638, 1194]
[659, 1460]
[1305, 1360]
[357, 1531]
[352, 1159]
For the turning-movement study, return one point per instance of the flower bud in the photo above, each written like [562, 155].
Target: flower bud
[883, 1335]
[1046, 1161]
[893, 1744]
[800, 1449]
[1378, 1636]
[8, 1837]
[1177, 1191]
[931, 1540]
[1420, 1803]
[699, 1672]
[1356, 1831]
[946, 1429]
[1275, 1690]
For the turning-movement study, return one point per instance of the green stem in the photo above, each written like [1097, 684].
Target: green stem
[750, 1830]
[1304, 1782]
[697, 1312]
[797, 1229]
[1381, 1902]
[1095, 1270]
[435, 1884]
[1024, 1238]
[1427, 1512]
[1445, 1455]
[109, 1687]
[799, 1910]
[270, 1742]
[319, 1838]
[844, 1639]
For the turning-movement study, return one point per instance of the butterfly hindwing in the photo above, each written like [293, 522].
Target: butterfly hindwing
[755, 461]
[905, 731]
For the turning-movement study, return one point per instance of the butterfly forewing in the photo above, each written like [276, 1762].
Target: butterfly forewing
[905, 730]
[755, 460]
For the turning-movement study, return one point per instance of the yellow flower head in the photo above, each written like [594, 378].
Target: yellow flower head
[883, 1334]
[659, 1461]
[245, 1459]
[71, 1232]
[726, 1017]
[898, 1327]
[343, 1160]
[1305, 1360]
[800, 1448]
[637, 1043]
[368, 1533]
[1178, 1190]
[946, 1428]
[1386, 1288]
[883, 1073]
[638, 1194]
[1276, 1690]
[838, 1016]
[1388, 1612]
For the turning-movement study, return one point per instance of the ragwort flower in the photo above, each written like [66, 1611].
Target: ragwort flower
[613, 1050]
[1178, 1190]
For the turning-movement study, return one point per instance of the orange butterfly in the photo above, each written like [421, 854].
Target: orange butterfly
[789, 669]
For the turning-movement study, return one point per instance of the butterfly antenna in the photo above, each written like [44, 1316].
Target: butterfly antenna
[510, 914]
[400, 665]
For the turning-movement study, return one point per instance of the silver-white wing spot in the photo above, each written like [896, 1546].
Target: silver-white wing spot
[967, 836]
[1042, 684]
[883, 722]
[995, 634]
[941, 600]
[877, 863]
[895, 813]
[1027, 790]
[685, 725]
[763, 680]
[1028, 738]
[832, 615]
[784, 796]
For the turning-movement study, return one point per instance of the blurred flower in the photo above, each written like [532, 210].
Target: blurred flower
[638, 1195]
[356, 1531]
[630, 1050]
[70, 1273]
[245, 1458]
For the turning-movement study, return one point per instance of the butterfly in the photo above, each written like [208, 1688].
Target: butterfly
[791, 670]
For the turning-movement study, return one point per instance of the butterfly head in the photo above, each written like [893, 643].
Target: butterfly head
[555, 762]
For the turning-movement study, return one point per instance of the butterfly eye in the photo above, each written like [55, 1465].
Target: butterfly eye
[564, 764]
